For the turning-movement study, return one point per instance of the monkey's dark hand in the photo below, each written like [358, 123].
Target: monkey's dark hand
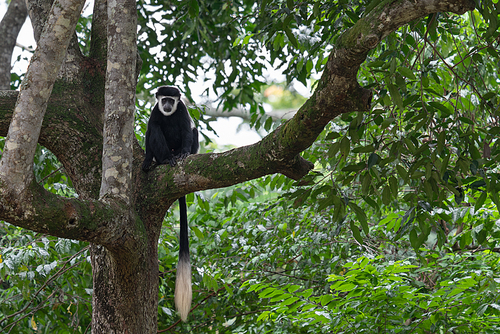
[146, 166]
[182, 156]
[172, 162]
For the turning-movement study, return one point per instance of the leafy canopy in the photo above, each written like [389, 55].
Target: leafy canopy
[396, 229]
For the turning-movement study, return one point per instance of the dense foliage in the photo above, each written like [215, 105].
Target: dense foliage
[397, 229]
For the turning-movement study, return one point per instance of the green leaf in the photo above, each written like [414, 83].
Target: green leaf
[289, 301]
[406, 72]
[246, 39]
[393, 183]
[334, 148]
[264, 316]
[354, 168]
[291, 37]
[373, 159]
[495, 199]
[386, 122]
[326, 299]
[444, 165]
[403, 173]
[355, 232]
[441, 141]
[444, 110]
[309, 66]
[481, 236]
[229, 290]
[306, 293]
[396, 96]
[460, 196]
[268, 124]
[363, 149]
[473, 167]
[489, 95]
[345, 146]
[409, 144]
[332, 135]
[288, 19]
[361, 215]
[371, 202]
[317, 9]
[197, 231]
[194, 8]
[270, 292]
[414, 240]
[480, 201]
[377, 63]
[386, 195]
[365, 184]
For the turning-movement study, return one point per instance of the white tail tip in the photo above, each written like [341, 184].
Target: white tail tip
[183, 292]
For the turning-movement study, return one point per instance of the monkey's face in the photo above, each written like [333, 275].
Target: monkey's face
[167, 104]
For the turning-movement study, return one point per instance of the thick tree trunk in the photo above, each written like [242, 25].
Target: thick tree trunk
[125, 297]
[126, 277]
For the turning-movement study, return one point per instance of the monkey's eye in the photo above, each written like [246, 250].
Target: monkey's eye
[166, 100]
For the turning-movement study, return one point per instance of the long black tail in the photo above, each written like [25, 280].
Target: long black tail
[183, 292]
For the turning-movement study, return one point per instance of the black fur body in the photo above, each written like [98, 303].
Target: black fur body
[171, 136]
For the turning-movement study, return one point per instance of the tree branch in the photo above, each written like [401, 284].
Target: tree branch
[385, 19]
[10, 26]
[38, 12]
[119, 101]
[45, 212]
[98, 41]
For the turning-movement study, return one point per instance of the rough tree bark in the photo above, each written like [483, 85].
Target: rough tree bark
[120, 211]
[125, 270]
[10, 26]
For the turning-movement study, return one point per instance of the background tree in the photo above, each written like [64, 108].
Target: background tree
[11, 24]
[406, 171]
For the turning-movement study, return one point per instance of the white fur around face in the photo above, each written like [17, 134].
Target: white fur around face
[160, 105]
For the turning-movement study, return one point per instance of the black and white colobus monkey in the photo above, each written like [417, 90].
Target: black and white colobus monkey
[171, 135]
